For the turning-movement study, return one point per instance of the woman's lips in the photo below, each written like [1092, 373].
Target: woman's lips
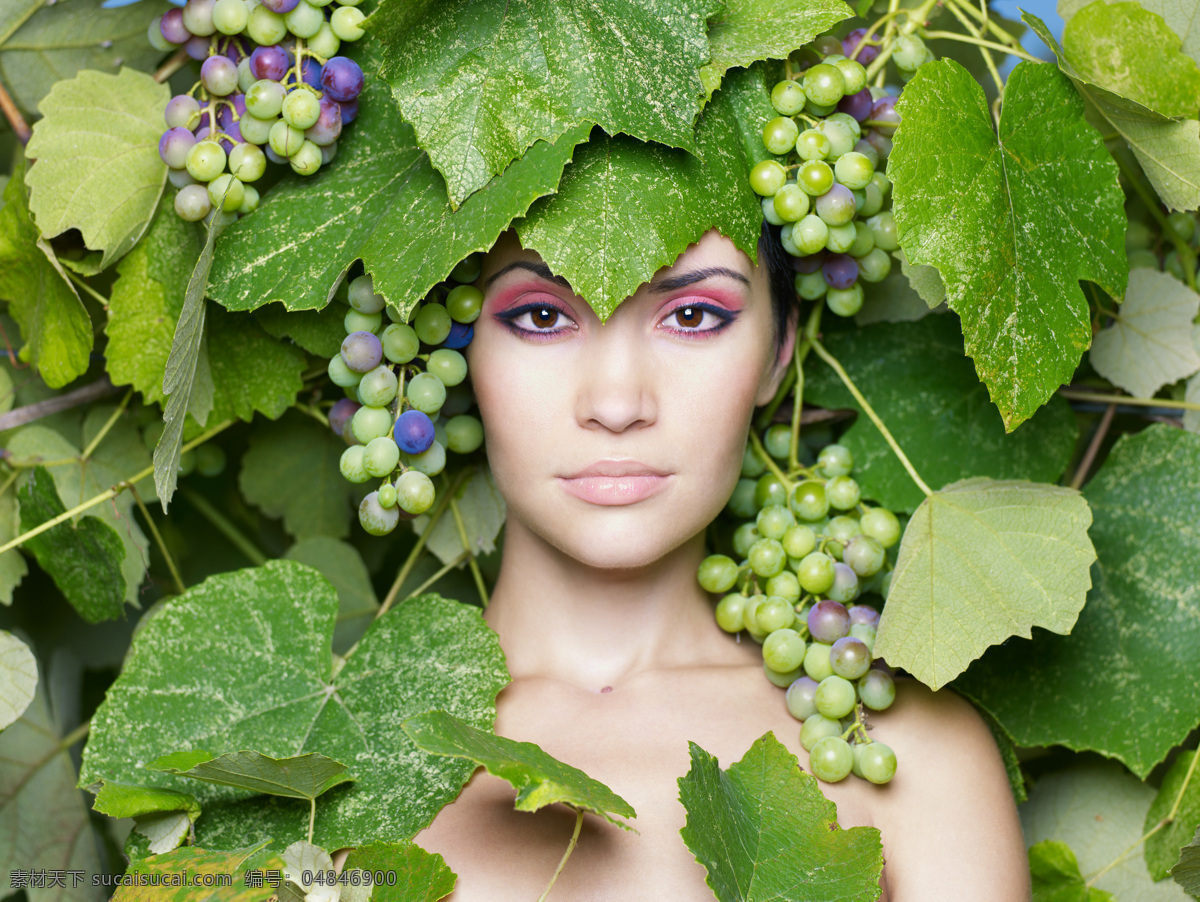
[615, 482]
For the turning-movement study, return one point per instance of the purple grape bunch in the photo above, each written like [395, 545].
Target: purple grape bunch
[826, 189]
[806, 574]
[406, 401]
[273, 87]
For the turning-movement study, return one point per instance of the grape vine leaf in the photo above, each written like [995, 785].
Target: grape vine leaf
[924, 389]
[84, 558]
[1136, 647]
[391, 211]
[1012, 221]
[18, 677]
[1097, 809]
[119, 457]
[54, 324]
[1187, 870]
[243, 660]
[42, 43]
[291, 470]
[176, 870]
[343, 566]
[749, 30]
[895, 299]
[1162, 849]
[763, 830]
[980, 561]
[539, 779]
[1168, 150]
[43, 817]
[1056, 876]
[679, 196]
[482, 509]
[1150, 345]
[297, 777]
[319, 332]
[127, 800]
[1191, 418]
[1180, 16]
[481, 81]
[98, 168]
[422, 876]
[925, 280]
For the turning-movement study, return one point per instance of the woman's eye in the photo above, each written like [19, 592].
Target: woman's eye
[537, 318]
[544, 317]
[694, 318]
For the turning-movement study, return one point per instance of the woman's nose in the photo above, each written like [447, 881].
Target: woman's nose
[616, 390]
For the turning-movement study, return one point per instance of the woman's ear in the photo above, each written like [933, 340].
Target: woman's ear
[783, 358]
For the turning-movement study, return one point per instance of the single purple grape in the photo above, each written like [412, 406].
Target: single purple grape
[203, 132]
[349, 111]
[342, 78]
[182, 111]
[840, 271]
[269, 62]
[836, 206]
[219, 75]
[460, 336]
[413, 432]
[809, 263]
[884, 110]
[881, 142]
[362, 351]
[850, 658]
[828, 621]
[857, 105]
[340, 414]
[867, 54]
[174, 145]
[172, 27]
[328, 125]
[863, 613]
[281, 6]
[310, 72]
[197, 48]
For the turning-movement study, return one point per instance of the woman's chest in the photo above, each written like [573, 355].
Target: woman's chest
[636, 743]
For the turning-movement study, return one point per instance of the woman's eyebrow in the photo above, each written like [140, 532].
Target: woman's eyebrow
[696, 275]
[538, 269]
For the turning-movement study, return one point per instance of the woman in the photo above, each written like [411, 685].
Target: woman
[615, 445]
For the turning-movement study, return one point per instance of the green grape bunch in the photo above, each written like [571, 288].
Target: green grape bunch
[826, 188]
[406, 395]
[806, 550]
[272, 87]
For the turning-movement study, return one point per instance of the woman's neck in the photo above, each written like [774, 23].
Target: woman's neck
[560, 619]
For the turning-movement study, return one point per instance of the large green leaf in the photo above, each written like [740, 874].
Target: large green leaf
[749, 30]
[1131, 52]
[124, 800]
[1187, 870]
[297, 777]
[1167, 149]
[1150, 344]
[919, 382]
[1056, 877]
[54, 324]
[343, 566]
[482, 80]
[43, 817]
[1162, 849]
[1012, 221]
[539, 779]
[291, 470]
[1097, 809]
[421, 876]
[98, 168]
[1135, 652]
[176, 871]
[18, 677]
[1180, 16]
[43, 42]
[981, 561]
[119, 456]
[84, 558]
[641, 205]
[763, 830]
[243, 661]
[391, 211]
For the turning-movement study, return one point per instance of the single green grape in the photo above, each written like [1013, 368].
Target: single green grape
[815, 177]
[774, 520]
[448, 365]
[767, 177]
[400, 343]
[304, 21]
[729, 612]
[753, 464]
[782, 680]
[799, 541]
[354, 321]
[841, 137]
[864, 240]
[816, 661]
[381, 456]
[875, 265]
[743, 537]
[306, 160]
[226, 192]
[325, 43]
[801, 697]
[816, 573]
[835, 696]
[864, 555]
[369, 423]
[853, 170]
[788, 98]
[265, 27]
[432, 324]
[784, 585]
[845, 302]
[843, 492]
[352, 465]
[247, 162]
[464, 433]
[813, 144]
[843, 528]
[790, 203]
[741, 503]
[767, 557]
[431, 461]
[426, 393]
[464, 303]
[750, 613]
[865, 633]
[415, 492]
[841, 238]
[300, 109]
[205, 161]
[817, 727]
[770, 490]
[717, 573]
[881, 525]
[824, 84]
[884, 227]
[376, 519]
[284, 139]
[830, 759]
[779, 135]
[377, 388]
[777, 441]
[877, 689]
[783, 650]
[853, 74]
[810, 234]
[877, 763]
[835, 460]
[768, 211]
[809, 501]
[774, 614]
[342, 375]
[387, 495]
[810, 286]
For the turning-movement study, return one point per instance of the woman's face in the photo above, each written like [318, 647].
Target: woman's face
[618, 442]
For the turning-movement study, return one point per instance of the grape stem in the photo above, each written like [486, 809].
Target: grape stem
[983, 51]
[1072, 394]
[811, 330]
[871, 414]
[915, 18]
[1093, 448]
[224, 526]
[871, 29]
[96, 296]
[771, 465]
[104, 430]
[466, 544]
[566, 854]
[177, 61]
[108, 493]
[19, 126]
[180, 588]
[446, 568]
[1003, 36]
[980, 42]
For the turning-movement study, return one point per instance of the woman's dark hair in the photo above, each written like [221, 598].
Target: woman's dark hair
[780, 277]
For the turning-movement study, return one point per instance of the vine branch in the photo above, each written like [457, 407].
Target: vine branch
[101, 388]
[566, 854]
[19, 126]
